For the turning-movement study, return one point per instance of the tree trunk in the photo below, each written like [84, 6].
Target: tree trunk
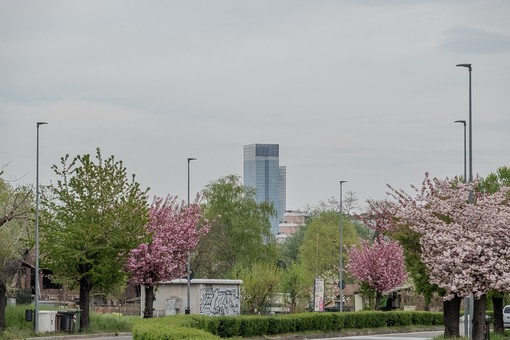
[497, 302]
[85, 288]
[451, 315]
[479, 326]
[3, 297]
[378, 297]
[427, 297]
[149, 302]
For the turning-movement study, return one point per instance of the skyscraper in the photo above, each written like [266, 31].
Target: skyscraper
[263, 172]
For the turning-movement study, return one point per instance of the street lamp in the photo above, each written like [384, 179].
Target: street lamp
[36, 299]
[464, 123]
[340, 273]
[466, 300]
[470, 299]
[187, 310]
[468, 66]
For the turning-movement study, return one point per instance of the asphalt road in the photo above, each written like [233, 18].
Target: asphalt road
[396, 336]
[120, 337]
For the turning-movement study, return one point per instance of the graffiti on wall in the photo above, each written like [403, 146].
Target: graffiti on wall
[170, 306]
[219, 301]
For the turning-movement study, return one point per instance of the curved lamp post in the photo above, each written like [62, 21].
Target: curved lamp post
[340, 272]
[470, 299]
[464, 123]
[36, 299]
[468, 66]
[187, 310]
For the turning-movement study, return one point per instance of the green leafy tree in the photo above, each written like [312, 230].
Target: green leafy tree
[260, 283]
[289, 249]
[240, 232]
[295, 286]
[15, 231]
[320, 250]
[95, 214]
[491, 184]
[410, 241]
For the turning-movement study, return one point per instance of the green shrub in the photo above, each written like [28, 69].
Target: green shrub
[338, 321]
[281, 325]
[399, 319]
[162, 331]
[252, 326]
[172, 328]
[228, 326]
[427, 318]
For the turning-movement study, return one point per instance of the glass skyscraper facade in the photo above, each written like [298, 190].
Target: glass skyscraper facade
[262, 171]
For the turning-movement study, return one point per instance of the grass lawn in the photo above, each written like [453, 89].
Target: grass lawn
[18, 328]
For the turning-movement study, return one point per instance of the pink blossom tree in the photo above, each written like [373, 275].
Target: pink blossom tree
[174, 231]
[379, 266]
[464, 245]
[380, 217]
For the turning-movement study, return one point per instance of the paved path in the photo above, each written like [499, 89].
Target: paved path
[120, 337]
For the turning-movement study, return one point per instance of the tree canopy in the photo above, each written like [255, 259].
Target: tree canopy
[464, 245]
[240, 232]
[174, 232]
[379, 265]
[16, 235]
[463, 238]
[95, 214]
[320, 250]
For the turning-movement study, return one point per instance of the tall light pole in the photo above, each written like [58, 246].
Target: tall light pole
[464, 123]
[188, 264]
[36, 299]
[470, 307]
[340, 272]
[468, 66]
[466, 300]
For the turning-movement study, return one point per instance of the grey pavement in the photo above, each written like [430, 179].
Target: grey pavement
[397, 336]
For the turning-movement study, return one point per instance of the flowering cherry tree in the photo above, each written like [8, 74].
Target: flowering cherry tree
[380, 217]
[379, 266]
[464, 245]
[174, 231]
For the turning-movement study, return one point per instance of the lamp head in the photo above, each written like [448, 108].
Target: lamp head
[191, 159]
[464, 65]
[41, 123]
[342, 182]
[461, 121]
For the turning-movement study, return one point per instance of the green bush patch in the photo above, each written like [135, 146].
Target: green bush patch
[205, 327]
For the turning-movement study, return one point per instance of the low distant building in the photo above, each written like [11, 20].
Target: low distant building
[292, 221]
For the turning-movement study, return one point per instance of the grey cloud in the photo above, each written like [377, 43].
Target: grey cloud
[474, 41]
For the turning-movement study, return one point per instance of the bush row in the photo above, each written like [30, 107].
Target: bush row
[172, 328]
[203, 327]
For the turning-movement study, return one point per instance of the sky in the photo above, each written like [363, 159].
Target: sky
[361, 91]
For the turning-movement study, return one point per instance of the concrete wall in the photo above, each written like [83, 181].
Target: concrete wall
[207, 297]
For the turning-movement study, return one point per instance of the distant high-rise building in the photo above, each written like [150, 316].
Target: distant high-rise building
[263, 172]
[283, 193]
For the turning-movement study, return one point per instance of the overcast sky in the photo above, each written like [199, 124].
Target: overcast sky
[362, 91]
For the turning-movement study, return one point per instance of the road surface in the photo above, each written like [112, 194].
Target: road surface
[396, 336]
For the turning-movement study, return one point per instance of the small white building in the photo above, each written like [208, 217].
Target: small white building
[207, 297]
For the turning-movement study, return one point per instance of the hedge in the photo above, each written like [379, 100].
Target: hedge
[172, 328]
[205, 327]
